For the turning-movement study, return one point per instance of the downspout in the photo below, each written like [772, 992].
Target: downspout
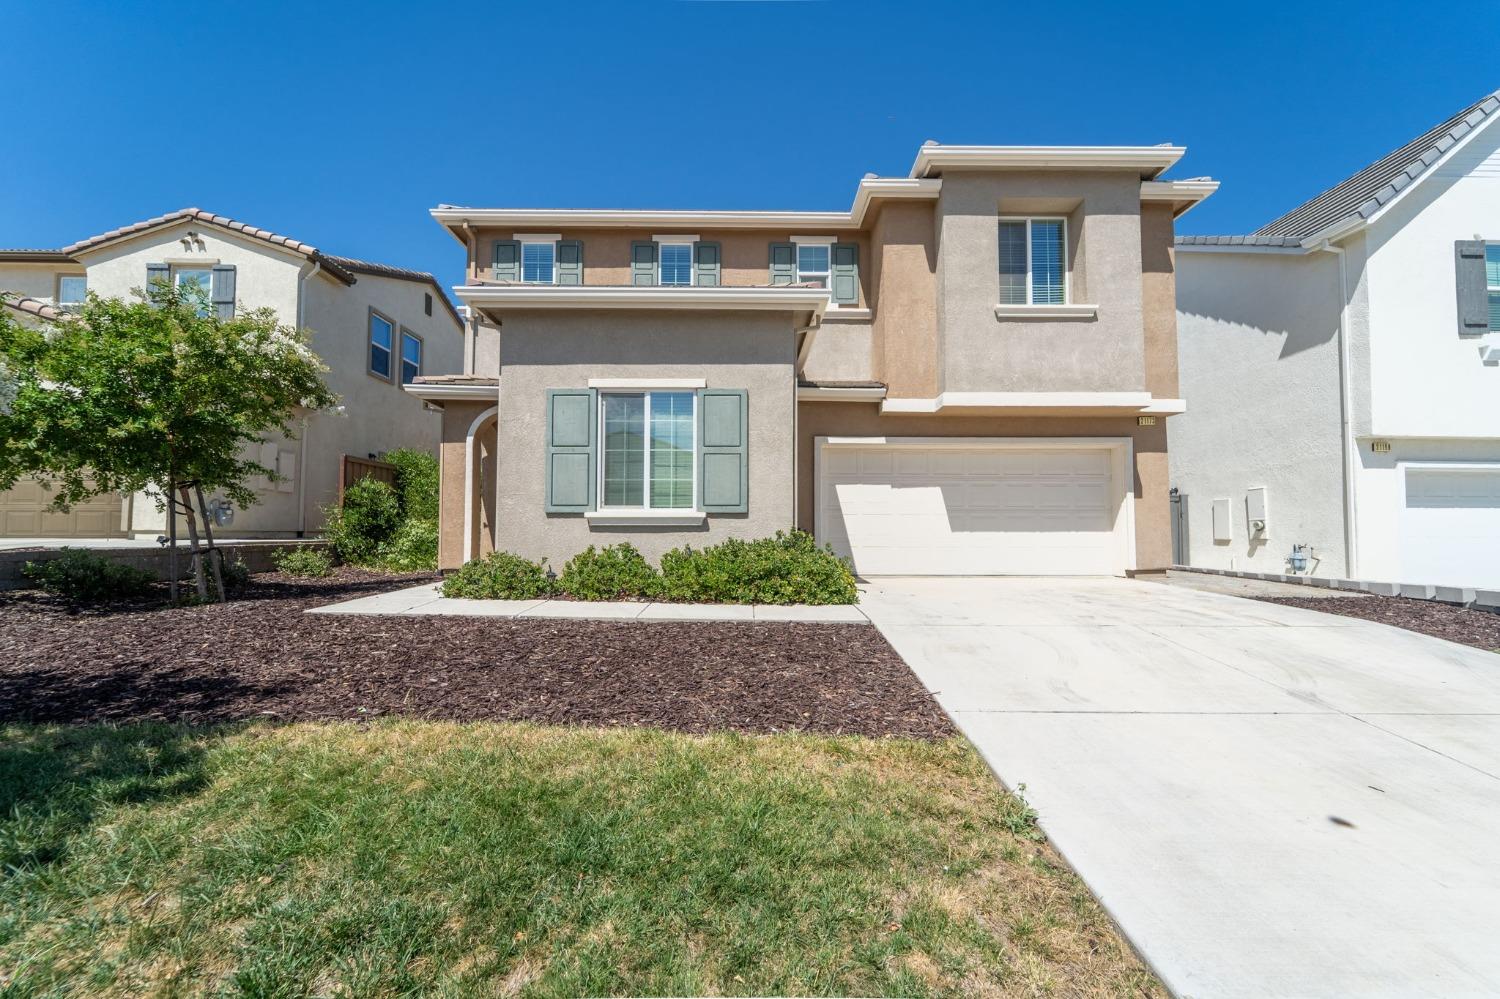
[1351, 547]
[302, 436]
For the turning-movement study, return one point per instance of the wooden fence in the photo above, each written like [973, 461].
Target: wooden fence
[352, 469]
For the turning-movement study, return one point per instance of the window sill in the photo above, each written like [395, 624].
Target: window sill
[847, 313]
[645, 518]
[1068, 311]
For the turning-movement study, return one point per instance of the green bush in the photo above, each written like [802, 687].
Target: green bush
[303, 562]
[789, 568]
[359, 529]
[416, 483]
[84, 577]
[617, 572]
[413, 548]
[500, 576]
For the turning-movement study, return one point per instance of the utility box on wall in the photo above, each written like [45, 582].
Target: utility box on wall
[1257, 517]
[1223, 526]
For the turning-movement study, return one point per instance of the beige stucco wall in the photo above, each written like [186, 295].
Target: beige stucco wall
[840, 352]
[1152, 529]
[1159, 299]
[981, 353]
[459, 488]
[546, 350]
[33, 280]
[906, 352]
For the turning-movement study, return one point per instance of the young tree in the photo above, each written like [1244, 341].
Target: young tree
[157, 393]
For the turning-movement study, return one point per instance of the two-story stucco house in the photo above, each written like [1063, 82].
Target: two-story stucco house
[967, 372]
[376, 327]
[1341, 367]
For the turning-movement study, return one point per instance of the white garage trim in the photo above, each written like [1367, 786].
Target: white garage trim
[1465, 551]
[1121, 452]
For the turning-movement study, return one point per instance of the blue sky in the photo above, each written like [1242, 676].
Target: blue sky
[342, 124]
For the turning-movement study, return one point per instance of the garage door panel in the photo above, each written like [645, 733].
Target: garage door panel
[1450, 526]
[970, 511]
[24, 513]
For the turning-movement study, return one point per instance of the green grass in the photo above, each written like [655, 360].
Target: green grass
[423, 858]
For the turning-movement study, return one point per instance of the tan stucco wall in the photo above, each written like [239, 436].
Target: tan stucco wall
[457, 489]
[840, 352]
[546, 350]
[33, 280]
[906, 352]
[984, 354]
[1152, 530]
[1159, 299]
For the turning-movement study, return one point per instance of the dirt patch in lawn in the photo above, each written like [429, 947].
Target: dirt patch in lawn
[1481, 629]
[261, 657]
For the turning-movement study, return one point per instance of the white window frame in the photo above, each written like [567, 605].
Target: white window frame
[177, 270]
[61, 303]
[1030, 286]
[546, 239]
[407, 334]
[797, 243]
[646, 509]
[677, 239]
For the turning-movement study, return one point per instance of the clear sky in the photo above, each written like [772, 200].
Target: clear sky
[341, 124]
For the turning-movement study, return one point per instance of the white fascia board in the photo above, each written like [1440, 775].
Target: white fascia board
[1125, 402]
[872, 189]
[1150, 161]
[1238, 248]
[1185, 195]
[819, 393]
[457, 392]
[526, 296]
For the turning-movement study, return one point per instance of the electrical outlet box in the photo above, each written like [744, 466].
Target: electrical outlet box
[1223, 525]
[1257, 516]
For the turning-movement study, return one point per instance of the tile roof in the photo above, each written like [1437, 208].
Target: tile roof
[33, 307]
[837, 384]
[1362, 195]
[456, 380]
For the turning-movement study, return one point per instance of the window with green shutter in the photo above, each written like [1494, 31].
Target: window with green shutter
[1492, 283]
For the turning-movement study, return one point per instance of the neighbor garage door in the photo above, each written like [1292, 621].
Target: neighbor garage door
[972, 510]
[1450, 526]
[24, 514]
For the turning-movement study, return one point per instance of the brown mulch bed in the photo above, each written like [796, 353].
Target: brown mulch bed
[260, 657]
[1481, 629]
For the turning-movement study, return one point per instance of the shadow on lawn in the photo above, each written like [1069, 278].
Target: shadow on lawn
[55, 782]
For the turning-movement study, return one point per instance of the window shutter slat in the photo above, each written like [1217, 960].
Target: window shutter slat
[223, 291]
[570, 262]
[157, 274]
[1473, 295]
[643, 262]
[723, 450]
[843, 278]
[571, 449]
[706, 259]
[505, 264]
[783, 263]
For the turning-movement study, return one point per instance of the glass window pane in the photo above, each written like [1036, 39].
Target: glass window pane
[624, 450]
[380, 332]
[812, 258]
[676, 264]
[411, 358]
[1492, 265]
[536, 262]
[1047, 262]
[197, 286]
[71, 289]
[672, 450]
[1012, 263]
[1495, 311]
[380, 347]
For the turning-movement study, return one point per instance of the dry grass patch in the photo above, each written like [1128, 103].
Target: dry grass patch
[495, 859]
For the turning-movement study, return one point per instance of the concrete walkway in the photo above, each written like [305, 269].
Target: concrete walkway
[1269, 800]
[428, 599]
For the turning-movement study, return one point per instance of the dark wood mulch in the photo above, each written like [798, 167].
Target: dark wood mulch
[260, 657]
[1480, 629]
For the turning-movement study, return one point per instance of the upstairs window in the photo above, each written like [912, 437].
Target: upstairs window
[411, 356]
[538, 262]
[193, 283]
[1492, 283]
[676, 263]
[71, 291]
[812, 263]
[1033, 261]
[382, 335]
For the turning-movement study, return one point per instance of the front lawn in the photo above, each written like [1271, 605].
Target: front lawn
[412, 857]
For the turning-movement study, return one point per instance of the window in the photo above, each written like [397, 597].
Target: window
[538, 262]
[411, 356]
[812, 263]
[649, 441]
[676, 261]
[1033, 262]
[427, 303]
[1492, 282]
[381, 333]
[196, 284]
[71, 289]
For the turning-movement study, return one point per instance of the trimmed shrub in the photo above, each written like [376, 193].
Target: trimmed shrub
[85, 577]
[618, 572]
[413, 548]
[368, 518]
[416, 484]
[303, 562]
[500, 576]
[789, 568]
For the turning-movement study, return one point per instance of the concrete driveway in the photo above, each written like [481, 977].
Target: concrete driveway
[1270, 801]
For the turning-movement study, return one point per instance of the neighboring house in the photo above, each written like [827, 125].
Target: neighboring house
[966, 373]
[1341, 367]
[376, 327]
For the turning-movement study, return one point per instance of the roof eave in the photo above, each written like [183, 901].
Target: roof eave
[1149, 161]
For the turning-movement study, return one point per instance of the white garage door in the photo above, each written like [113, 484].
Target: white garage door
[1450, 528]
[971, 511]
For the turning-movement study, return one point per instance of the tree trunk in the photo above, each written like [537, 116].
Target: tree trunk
[199, 580]
[215, 557]
[171, 542]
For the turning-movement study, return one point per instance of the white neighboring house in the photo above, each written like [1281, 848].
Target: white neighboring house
[1341, 367]
[376, 327]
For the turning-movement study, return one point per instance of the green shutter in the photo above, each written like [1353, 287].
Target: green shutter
[723, 450]
[570, 261]
[505, 265]
[572, 425]
[643, 262]
[706, 260]
[783, 263]
[223, 291]
[157, 273]
[843, 277]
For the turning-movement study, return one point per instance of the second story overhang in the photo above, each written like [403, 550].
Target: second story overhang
[491, 301]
